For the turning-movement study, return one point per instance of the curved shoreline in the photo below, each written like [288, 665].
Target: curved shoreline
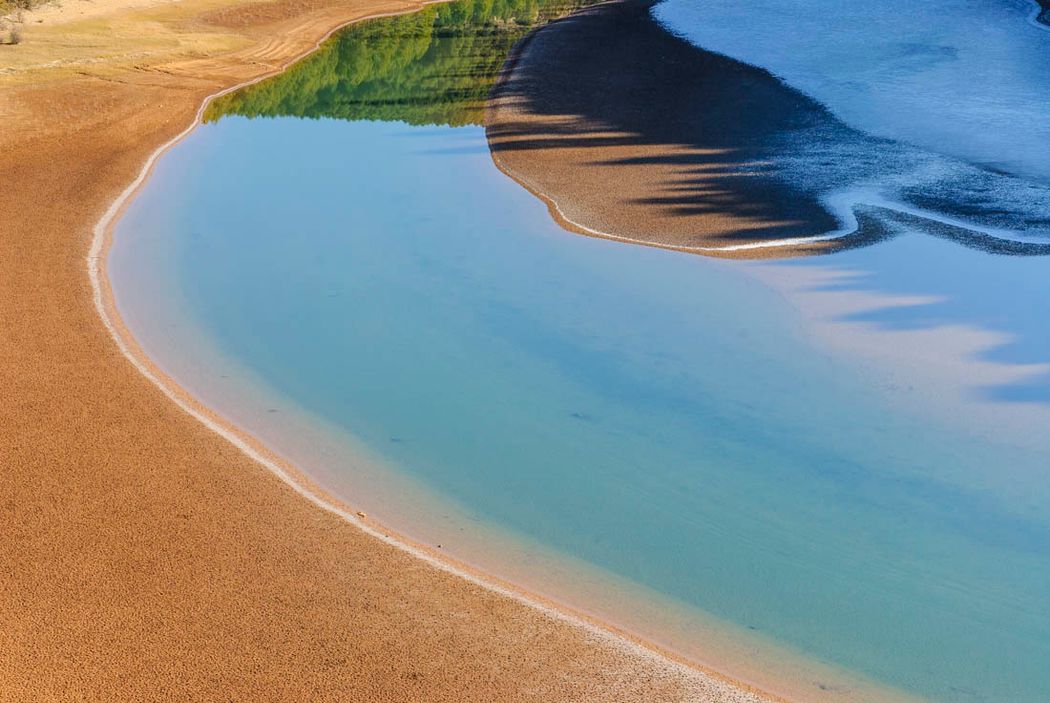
[982, 239]
[96, 263]
[299, 482]
[517, 119]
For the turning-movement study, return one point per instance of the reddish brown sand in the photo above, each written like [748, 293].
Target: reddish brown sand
[143, 557]
[630, 133]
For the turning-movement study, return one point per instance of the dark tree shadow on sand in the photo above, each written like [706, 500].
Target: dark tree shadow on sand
[650, 138]
[610, 78]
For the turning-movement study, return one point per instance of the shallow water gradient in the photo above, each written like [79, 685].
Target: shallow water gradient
[669, 419]
[658, 415]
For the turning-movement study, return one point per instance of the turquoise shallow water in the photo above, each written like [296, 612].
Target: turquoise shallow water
[663, 417]
[658, 415]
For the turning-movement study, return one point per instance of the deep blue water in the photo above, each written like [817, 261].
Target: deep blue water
[962, 78]
[943, 106]
[662, 416]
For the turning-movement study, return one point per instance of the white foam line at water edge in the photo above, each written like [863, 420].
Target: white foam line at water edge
[840, 204]
[96, 271]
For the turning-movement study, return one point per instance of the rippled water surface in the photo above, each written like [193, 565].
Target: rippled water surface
[940, 106]
[964, 78]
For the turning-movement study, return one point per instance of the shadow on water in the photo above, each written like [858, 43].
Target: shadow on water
[648, 413]
[716, 151]
[726, 153]
[739, 146]
[761, 151]
[611, 78]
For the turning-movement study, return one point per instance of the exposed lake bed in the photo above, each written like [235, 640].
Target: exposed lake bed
[662, 418]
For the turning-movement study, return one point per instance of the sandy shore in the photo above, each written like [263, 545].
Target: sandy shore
[630, 133]
[145, 557]
[633, 134]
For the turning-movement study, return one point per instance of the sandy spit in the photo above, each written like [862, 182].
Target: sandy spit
[629, 133]
[149, 553]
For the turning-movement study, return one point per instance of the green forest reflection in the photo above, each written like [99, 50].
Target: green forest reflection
[435, 66]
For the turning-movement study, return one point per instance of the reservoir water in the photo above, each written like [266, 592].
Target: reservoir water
[353, 280]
